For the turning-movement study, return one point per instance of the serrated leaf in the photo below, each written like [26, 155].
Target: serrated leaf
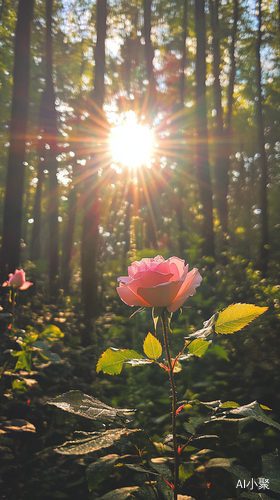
[198, 347]
[52, 333]
[236, 316]
[152, 347]
[95, 441]
[227, 464]
[86, 406]
[254, 410]
[112, 360]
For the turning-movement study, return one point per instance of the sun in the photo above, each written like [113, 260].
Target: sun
[131, 143]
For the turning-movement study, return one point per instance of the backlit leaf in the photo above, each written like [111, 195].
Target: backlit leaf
[230, 404]
[52, 333]
[152, 347]
[95, 441]
[198, 347]
[86, 406]
[254, 410]
[112, 360]
[236, 316]
[227, 464]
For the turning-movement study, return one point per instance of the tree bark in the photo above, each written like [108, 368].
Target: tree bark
[151, 94]
[90, 231]
[51, 134]
[264, 251]
[67, 246]
[184, 55]
[10, 257]
[202, 161]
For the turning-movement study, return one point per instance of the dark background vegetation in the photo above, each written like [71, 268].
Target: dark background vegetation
[205, 76]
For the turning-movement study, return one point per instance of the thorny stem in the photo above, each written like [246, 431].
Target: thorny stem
[164, 321]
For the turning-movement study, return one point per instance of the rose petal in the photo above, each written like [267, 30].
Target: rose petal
[149, 279]
[188, 289]
[124, 279]
[130, 298]
[25, 285]
[161, 295]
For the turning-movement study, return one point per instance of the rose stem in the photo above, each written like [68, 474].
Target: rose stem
[164, 320]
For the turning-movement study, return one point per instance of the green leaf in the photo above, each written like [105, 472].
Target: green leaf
[254, 410]
[30, 337]
[112, 360]
[186, 470]
[227, 464]
[160, 465]
[219, 351]
[24, 361]
[255, 496]
[86, 406]
[198, 347]
[19, 385]
[152, 347]
[45, 353]
[236, 316]
[230, 404]
[270, 470]
[95, 441]
[52, 333]
[100, 469]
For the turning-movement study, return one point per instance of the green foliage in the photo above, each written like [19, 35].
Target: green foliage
[198, 347]
[236, 316]
[112, 360]
[152, 347]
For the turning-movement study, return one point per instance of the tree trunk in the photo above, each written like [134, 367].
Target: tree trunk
[264, 252]
[90, 232]
[67, 246]
[221, 163]
[184, 55]
[151, 94]
[10, 257]
[51, 134]
[35, 245]
[202, 161]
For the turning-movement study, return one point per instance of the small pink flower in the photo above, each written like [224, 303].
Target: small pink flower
[158, 283]
[18, 279]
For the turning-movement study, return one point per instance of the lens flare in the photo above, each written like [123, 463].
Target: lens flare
[131, 144]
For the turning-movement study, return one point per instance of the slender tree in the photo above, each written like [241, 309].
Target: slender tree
[264, 252]
[151, 95]
[184, 53]
[202, 161]
[10, 257]
[90, 231]
[51, 134]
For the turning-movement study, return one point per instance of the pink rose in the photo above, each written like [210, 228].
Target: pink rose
[18, 279]
[158, 283]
